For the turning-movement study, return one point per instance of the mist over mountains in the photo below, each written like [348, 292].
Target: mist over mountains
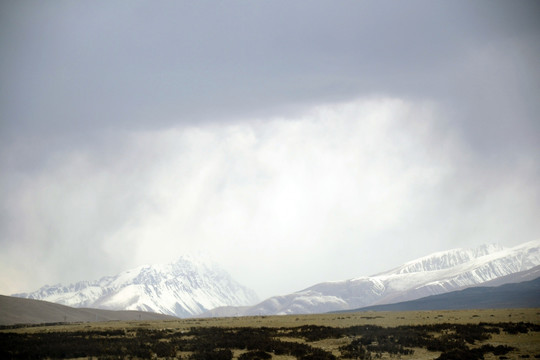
[196, 287]
[296, 145]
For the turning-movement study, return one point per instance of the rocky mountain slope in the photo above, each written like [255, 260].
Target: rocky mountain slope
[434, 274]
[184, 288]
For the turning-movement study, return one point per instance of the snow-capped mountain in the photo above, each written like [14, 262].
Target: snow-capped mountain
[430, 275]
[184, 288]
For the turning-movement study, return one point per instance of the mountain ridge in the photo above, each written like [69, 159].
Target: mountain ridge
[524, 294]
[433, 274]
[446, 259]
[183, 288]
[194, 287]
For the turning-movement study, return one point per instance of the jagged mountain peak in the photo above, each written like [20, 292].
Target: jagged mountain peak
[186, 287]
[184, 266]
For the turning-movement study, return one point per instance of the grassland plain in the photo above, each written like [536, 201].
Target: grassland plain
[460, 334]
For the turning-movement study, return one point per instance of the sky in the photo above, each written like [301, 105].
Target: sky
[292, 142]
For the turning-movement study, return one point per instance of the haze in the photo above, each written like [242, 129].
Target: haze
[293, 142]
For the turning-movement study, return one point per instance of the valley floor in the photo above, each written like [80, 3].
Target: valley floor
[470, 334]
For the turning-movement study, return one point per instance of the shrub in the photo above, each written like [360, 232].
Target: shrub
[255, 355]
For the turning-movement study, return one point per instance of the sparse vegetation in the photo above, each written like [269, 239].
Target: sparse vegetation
[440, 340]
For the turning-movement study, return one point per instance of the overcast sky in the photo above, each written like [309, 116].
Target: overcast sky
[292, 141]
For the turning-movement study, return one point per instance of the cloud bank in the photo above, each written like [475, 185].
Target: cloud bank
[331, 192]
[293, 143]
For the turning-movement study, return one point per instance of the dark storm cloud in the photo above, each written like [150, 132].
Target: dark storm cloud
[77, 67]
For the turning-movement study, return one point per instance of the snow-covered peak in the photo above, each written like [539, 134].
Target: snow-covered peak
[433, 274]
[531, 245]
[185, 266]
[186, 287]
[444, 259]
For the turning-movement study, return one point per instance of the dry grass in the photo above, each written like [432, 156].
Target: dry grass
[525, 344]
[385, 319]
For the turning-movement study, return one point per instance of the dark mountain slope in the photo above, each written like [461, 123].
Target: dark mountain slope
[14, 310]
[521, 295]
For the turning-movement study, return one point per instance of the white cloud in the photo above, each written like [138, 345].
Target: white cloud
[336, 191]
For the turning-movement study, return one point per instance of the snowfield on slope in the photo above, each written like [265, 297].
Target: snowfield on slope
[434, 274]
[184, 288]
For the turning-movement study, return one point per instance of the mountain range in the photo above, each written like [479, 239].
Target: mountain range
[193, 287]
[434, 274]
[525, 294]
[184, 288]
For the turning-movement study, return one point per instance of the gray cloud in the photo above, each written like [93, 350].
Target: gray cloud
[123, 65]
[121, 124]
